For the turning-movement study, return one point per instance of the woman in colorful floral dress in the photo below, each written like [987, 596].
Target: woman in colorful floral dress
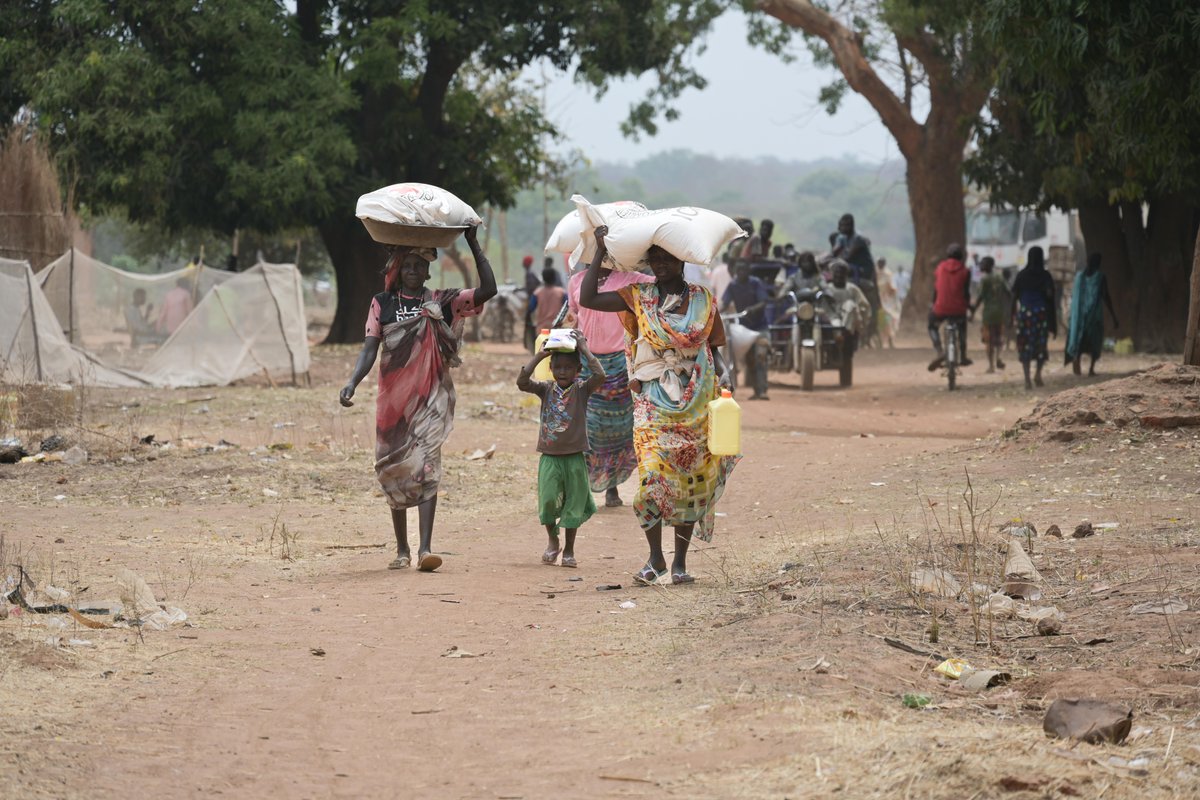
[419, 330]
[674, 331]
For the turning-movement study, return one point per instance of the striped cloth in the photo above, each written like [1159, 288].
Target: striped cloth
[611, 459]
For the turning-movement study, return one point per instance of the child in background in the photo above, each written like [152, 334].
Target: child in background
[564, 494]
[993, 296]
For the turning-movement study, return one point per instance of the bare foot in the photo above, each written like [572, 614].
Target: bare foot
[612, 499]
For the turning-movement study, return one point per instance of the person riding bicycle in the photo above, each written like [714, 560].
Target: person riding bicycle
[951, 301]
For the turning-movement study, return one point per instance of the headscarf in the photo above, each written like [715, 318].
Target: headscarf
[391, 270]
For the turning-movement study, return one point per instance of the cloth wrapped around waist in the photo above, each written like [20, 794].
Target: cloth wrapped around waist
[665, 366]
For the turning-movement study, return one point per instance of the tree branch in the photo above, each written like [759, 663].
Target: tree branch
[908, 76]
[848, 54]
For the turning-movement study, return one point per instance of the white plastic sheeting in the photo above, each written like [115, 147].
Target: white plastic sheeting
[242, 324]
[253, 323]
[33, 348]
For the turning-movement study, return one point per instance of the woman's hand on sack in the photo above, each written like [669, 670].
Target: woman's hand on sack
[600, 232]
[344, 397]
[471, 235]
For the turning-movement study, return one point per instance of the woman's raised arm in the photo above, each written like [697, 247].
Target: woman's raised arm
[487, 279]
[589, 296]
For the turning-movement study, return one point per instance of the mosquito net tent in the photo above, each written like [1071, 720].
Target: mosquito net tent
[33, 348]
[251, 324]
[190, 327]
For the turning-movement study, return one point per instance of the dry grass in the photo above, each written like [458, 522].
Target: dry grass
[32, 223]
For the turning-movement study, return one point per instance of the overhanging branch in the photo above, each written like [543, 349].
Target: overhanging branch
[848, 54]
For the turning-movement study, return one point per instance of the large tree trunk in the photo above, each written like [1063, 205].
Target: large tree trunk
[1147, 263]
[357, 260]
[935, 197]
[1163, 307]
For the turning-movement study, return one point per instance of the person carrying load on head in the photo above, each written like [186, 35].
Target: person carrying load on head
[418, 332]
[673, 337]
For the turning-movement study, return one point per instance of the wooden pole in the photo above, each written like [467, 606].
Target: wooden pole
[504, 244]
[37, 344]
[1191, 343]
[71, 298]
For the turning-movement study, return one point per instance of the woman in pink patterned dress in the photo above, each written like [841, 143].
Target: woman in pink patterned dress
[420, 331]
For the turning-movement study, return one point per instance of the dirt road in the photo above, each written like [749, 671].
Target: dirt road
[311, 671]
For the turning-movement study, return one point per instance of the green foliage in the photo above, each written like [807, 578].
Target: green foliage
[261, 114]
[1097, 99]
[181, 112]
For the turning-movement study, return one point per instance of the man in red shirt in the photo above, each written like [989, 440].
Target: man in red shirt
[951, 301]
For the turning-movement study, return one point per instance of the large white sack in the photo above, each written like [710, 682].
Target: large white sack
[688, 233]
[415, 204]
[565, 237]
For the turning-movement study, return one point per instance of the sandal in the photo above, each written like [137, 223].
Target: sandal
[429, 562]
[400, 562]
[569, 561]
[681, 577]
[550, 556]
[648, 576]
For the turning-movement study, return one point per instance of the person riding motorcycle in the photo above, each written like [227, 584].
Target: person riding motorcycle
[848, 299]
[748, 295]
[807, 279]
[951, 301]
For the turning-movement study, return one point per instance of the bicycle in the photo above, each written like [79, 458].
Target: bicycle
[953, 360]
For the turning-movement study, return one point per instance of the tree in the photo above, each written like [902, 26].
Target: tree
[437, 101]
[1098, 108]
[931, 46]
[259, 113]
[185, 114]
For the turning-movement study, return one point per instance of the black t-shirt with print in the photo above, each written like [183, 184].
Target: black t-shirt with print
[393, 307]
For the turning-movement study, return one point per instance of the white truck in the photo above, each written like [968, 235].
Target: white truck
[1006, 234]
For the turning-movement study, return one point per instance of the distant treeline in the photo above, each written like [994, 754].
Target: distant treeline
[804, 199]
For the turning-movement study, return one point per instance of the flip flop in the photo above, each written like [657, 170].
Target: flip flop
[429, 562]
[400, 562]
[550, 556]
[648, 576]
[681, 577]
[569, 561]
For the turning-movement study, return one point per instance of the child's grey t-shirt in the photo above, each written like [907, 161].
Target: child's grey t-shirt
[563, 429]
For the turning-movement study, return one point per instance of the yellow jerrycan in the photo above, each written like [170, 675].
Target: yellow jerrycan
[542, 371]
[724, 425]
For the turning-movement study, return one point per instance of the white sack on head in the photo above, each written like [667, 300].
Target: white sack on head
[688, 233]
[415, 204]
[566, 235]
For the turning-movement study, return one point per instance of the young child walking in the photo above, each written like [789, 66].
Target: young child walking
[564, 494]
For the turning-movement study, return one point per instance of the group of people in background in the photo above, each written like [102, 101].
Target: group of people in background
[1029, 306]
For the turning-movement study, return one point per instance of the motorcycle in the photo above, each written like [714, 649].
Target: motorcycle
[814, 337]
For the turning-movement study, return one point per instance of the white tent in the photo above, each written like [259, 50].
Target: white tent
[33, 348]
[252, 323]
[242, 324]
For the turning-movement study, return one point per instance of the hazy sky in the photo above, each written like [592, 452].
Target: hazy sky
[754, 105]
